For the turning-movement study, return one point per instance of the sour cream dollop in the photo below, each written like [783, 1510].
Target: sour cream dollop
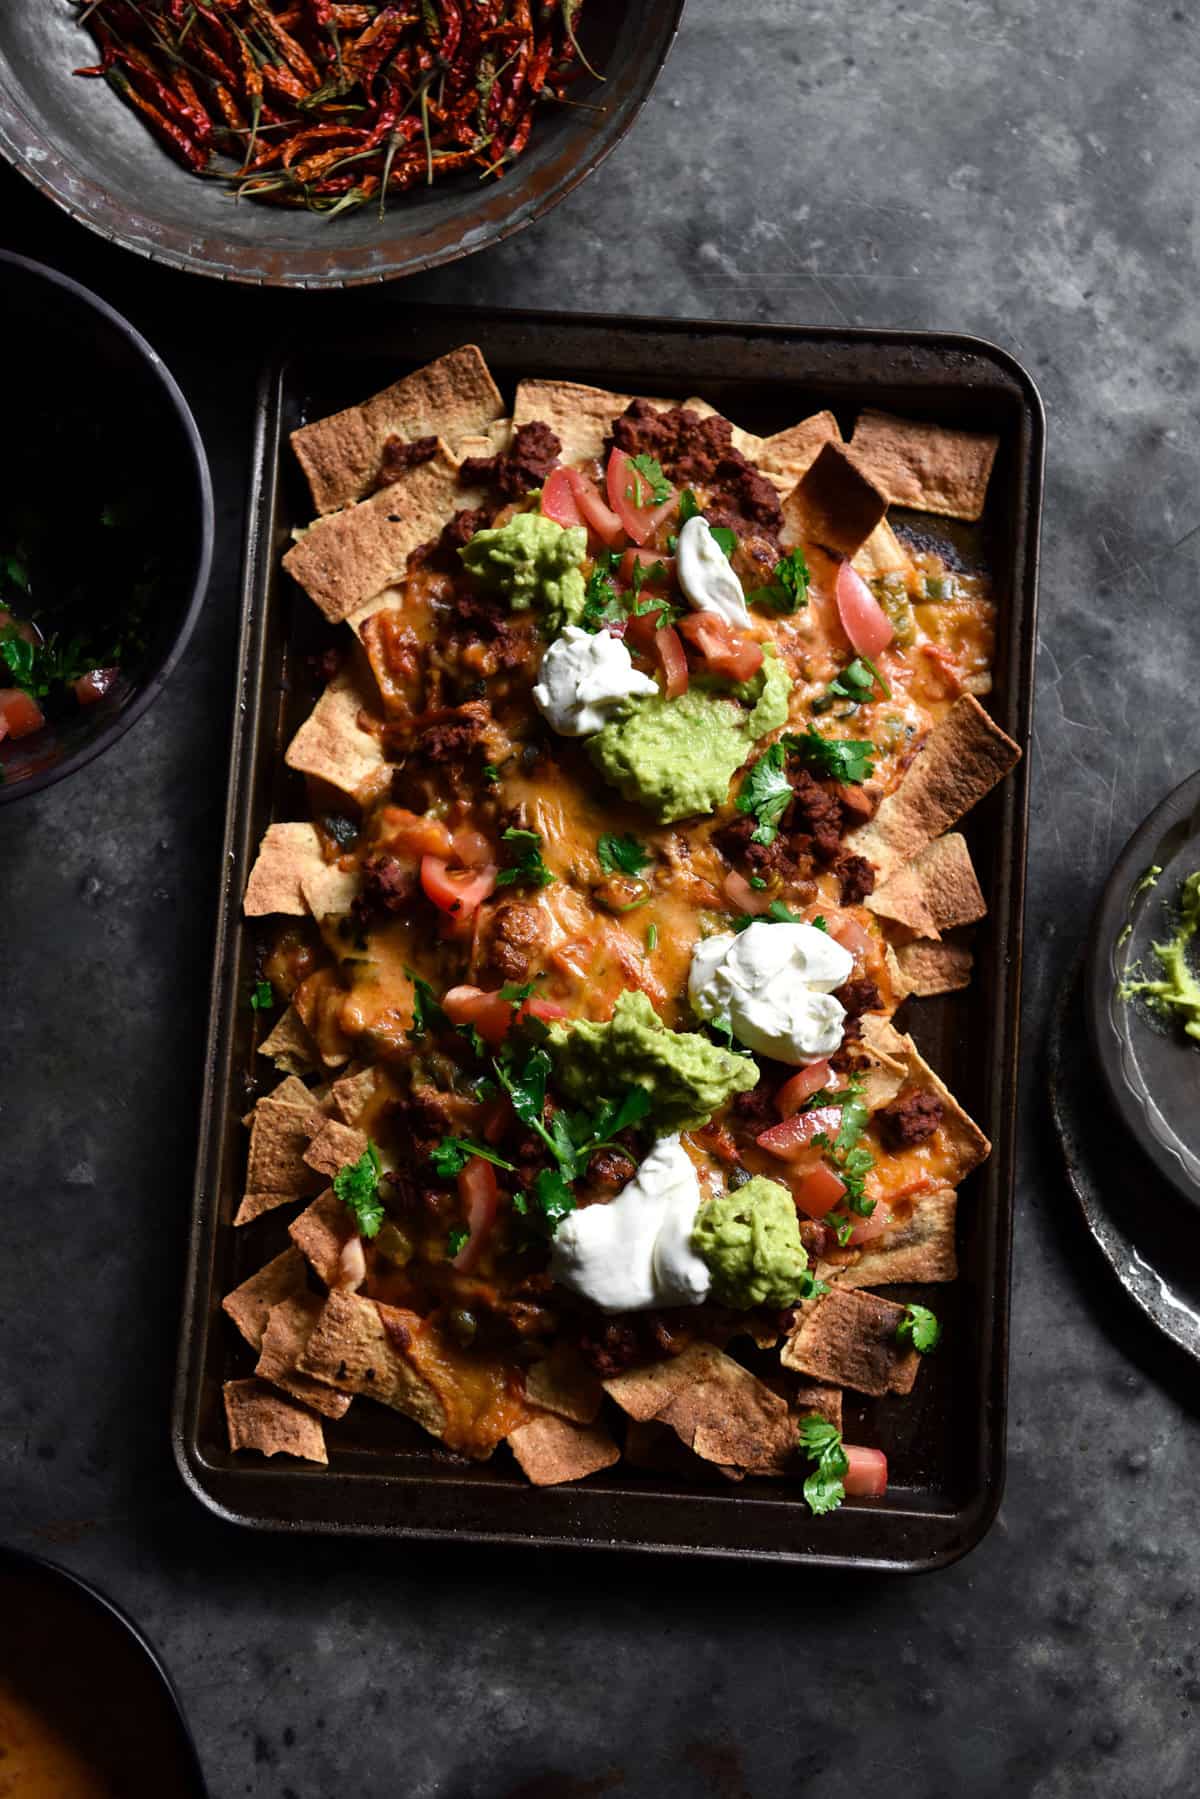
[705, 575]
[584, 677]
[774, 983]
[635, 1252]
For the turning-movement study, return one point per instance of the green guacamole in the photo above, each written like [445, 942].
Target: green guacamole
[677, 757]
[686, 1075]
[1178, 992]
[750, 1239]
[531, 561]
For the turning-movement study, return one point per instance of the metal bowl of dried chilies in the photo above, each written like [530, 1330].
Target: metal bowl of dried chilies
[312, 143]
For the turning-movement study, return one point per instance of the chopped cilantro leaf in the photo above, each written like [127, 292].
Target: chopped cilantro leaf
[457, 1240]
[554, 1197]
[427, 1012]
[776, 913]
[841, 1225]
[356, 1184]
[651, 938]
[724, 537]
[820, 924]
[452, 1154]
[621, 855]
[822, 1444]
[689, 506]
[491, 773]
[856, 683]
[766, 794]
[918, 1329]
[757, 882]
[516, 993]
[529, 869]
[846, 759]
[651, 472]
[601, 601]
[263, 997]
[788, 592]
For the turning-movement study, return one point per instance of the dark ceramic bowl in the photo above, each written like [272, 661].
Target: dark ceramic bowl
[80, 353]
[83, 147]
[76, 1662]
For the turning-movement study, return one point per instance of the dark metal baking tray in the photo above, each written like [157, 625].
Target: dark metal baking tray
[946, 1442]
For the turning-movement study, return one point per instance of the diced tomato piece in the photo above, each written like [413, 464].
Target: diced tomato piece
[865, 1229]
[786, 1140]
[491, 1015]
[672, 661]
[802, 1086]
[596, 515]
[548, 1010]
[481, 1197]
[624, 485]
[818, 1191]
[745, 897]
[94, 685]
[864, 621]
[409, 834]
[724, 650]
[458, 891]
[866, 1477]
[20, 714]
[648, 560]
[558, 499]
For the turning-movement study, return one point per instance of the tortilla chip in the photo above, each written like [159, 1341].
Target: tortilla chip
[882, 554]
[655, 1446]
[290, 1045]
[285, 1339]
[810, 1396]
[279, 1136]
[935, 892]
[329, 892]
[286, 853]
[717, 1408]
[449, 398]
[960, 761]
[348, 557]
[643, 1393]
[333, 1146]
[931, 468]
[250, 1304]
[492, 442]
[564, 1383]
[833, 505]
[581, 417]
[321, 1233]
[260, 1418]
[964, 1136]
[552, 1449]
[881, 1081]
[932, 968]
[331, 744]
[318, 1000]
[787, 455]
[921, 1249]
[885, 1042]
[848, 1339]
[351, 1349]
[353, 1093]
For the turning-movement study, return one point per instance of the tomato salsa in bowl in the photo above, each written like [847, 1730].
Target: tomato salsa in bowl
[106, 532]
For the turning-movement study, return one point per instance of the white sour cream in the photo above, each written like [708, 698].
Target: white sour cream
[703, 569]
[774, 983]
[635, 1252]
[584, 677]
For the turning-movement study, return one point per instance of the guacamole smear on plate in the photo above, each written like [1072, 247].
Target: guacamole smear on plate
[1177, 993]
[677, 757]
[750, 1239]
[531, 561]
[686, 1075]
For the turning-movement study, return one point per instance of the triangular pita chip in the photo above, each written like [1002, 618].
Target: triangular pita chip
[285, 1339]
[333, 1146]
[250, 1304]
[331, 744]
[932, 968]
[290, 1045]
[552, 1449]
[581, 417]
[934, 892]
[920, 1249]
[786, 455]
[450, 398]
[260, 1418]
[963, 1137]
[321, 1233]
[931, 468]
[562, 1382]
[286, 854]
[848, 1339]
[833, 505]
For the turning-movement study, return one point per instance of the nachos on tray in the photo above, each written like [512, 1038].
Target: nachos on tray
[633, 795]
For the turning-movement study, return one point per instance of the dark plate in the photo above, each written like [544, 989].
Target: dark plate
[85, 1667]
[946, 1442]
[150, 434]
[1150, 1069]
[81, 145]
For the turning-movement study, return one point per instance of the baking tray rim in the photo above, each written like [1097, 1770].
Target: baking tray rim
[963, 1527]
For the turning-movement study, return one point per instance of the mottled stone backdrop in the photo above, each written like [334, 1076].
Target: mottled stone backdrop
[1023, 171]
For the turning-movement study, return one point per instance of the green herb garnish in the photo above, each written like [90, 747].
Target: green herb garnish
[766, 794]
[263, 997]
[822, 1444]
[918, 1329]
[846, 759]
[621, 855]
[856, 683]
[457, 1240]
[651, 472]
[788, 590]
[529, 870]
[427, 1011]
[452, 1154]
[356, 1184]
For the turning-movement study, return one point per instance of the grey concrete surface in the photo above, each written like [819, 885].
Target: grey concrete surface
[1021, 171]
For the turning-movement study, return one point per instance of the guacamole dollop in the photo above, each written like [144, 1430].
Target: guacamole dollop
[686, 1075]
[677, 757]
[1178, 992]
[531, 561]
[750, 1239]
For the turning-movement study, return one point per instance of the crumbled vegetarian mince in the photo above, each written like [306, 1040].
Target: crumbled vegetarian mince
[387, 886]
[524, 465]
[859, 996]
[857, 877]
[755, 1111]
[517, 940]
[910, 1119]
[610, 1345]
[734, 840]
[611, 1168]
[398, 455]
[462, 528]
[815, 812]
[695, 449]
